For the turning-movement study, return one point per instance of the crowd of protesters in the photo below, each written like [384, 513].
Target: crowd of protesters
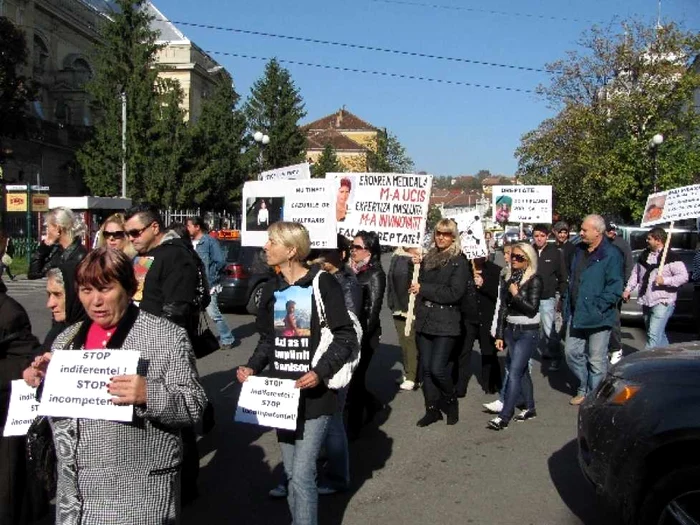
[146, 287]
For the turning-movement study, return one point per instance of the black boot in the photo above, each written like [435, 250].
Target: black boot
[450, 406]
[432, 415]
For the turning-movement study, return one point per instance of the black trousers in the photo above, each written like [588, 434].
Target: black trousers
[435, 356]
[359, 398]
[22, 498]
[615, 342]
[490, 367]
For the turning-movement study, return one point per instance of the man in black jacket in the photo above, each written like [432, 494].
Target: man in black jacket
[615, 345]
[552, 268]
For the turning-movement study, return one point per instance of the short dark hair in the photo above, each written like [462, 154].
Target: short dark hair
[658, 233]
[198, 221]
[148, 213]
[103, 266]
[180, 229]
[371, 242]
[541, 228]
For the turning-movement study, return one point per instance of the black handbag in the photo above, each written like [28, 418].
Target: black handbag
[205, 342]
[41, 454]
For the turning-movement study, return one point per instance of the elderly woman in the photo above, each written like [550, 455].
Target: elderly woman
[62, 300]
[113, 235]
[441, 284]
[287, 247]
[62, 244]
[112, 472]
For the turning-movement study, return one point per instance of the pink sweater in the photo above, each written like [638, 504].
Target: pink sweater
[675, 275]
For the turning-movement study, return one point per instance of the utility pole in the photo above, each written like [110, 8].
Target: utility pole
[124, 144]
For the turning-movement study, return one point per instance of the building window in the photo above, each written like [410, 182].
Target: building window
[41, 56]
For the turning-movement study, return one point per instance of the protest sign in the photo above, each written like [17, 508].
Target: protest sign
[307, 202]
[268, 402]
[518, 203]
[295, 172]
[22, 410]
[76, 384]
[395, 205]
[471, 234]
[672, 205]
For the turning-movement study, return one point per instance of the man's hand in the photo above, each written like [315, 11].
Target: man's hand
[659, 280]
[308, 380]
[129, 390]
[626, 295]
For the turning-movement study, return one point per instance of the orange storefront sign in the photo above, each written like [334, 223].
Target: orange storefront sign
[40, 202]
[16, 202]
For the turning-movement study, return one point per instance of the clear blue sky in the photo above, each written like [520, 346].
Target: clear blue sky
[446, 129]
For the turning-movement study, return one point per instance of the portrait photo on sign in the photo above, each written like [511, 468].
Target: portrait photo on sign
[654, 209]
[293, 312]
[503, 207]
[344, 198]
[260, 212]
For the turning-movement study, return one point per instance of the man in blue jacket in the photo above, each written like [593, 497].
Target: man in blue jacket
[210, 252]
[595, 287]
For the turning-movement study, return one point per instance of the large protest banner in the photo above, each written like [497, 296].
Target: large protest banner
[471, 234]
[517, 204]
[296, 172]
[22, 410]
[268, 402]
[395, 205]
[76, 384]
[307, 202]
[672, 205]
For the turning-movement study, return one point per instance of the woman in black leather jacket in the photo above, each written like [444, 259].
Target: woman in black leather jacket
[441, 284]
[62, 245]
[365, 252]
[518, 326]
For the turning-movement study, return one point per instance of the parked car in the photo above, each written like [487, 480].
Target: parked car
[639, 436]
[632, 310]
[636, 236]
[244, 276]
[498, 238]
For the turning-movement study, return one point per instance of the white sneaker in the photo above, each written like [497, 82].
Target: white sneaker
[615, 357]
[494, 407]
[407, 385]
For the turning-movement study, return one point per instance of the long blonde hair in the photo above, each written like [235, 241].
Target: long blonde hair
[435, 257]
[116, 218]
[531, 256]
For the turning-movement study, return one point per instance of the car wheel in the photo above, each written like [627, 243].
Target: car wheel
[254, 301]
[674, 499]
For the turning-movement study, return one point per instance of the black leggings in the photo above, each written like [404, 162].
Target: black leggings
[435, 353]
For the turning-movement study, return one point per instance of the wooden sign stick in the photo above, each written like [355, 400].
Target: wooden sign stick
[410, 315]
[666, 248]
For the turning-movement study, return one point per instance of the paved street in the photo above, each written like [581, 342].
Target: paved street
[401, 474]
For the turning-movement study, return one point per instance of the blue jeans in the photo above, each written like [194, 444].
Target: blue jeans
[299, 457]
[225, 334]
[338, 472]
[549, 338]
[588, 365]
[521, 345]
[655, 319]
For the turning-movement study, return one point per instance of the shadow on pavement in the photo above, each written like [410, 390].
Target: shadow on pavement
[575, 491]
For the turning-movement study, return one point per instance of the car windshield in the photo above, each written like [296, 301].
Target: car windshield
[686, 240]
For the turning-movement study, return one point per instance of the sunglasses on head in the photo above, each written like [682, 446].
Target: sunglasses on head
[517, 257]
[119, 234]
[356, 247]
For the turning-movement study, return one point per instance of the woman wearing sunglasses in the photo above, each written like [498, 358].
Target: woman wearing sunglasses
[518, 331]
[113, 235]
[441, 284]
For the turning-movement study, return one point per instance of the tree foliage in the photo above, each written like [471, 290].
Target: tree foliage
[275, 108]
[327, 163]
[434, 216]
[389, 156]
[612, 96]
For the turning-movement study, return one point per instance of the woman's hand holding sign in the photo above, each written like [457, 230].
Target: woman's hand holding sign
[308, 380]
[35, 373]
[128, 390]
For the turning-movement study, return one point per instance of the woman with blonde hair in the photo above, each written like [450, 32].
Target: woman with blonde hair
[518, 331]
[62, 244]
[441, 284]
[112, 234]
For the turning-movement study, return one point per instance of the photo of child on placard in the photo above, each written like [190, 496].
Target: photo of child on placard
[344, 198]
[503, 206]
[262, 211]
[654, 209]
[293, 312]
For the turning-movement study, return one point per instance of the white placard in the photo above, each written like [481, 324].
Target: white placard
[22, 410]
[268, 402]
[672, 205]
[76, 384]
[307, 202]
[654, 209]
[471, 234]
[296, 172]
[395, 205]
[518, 203]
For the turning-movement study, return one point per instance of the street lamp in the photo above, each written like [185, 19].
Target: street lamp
[654, 144]
[263, 140]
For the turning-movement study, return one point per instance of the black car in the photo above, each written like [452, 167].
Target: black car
[244, 276]
[639, 436]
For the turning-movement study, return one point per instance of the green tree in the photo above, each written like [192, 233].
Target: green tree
[275, 108]
[613, 95]
[327, 163]
[390, 156]
[15, 89]
[217, 166]
[434, 216]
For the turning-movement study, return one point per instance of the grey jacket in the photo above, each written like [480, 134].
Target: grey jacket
[110, 472]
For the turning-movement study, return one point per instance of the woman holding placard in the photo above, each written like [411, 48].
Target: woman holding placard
[290, 356]
[112, 472]
[441, 285]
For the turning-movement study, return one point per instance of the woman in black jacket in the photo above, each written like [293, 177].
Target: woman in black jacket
[518, 327]
[441, 285]
[365, 252]
[63, 243]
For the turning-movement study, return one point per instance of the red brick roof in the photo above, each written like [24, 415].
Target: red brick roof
[491, 181]
[454, 198]
[341, 120]
[319, 140]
